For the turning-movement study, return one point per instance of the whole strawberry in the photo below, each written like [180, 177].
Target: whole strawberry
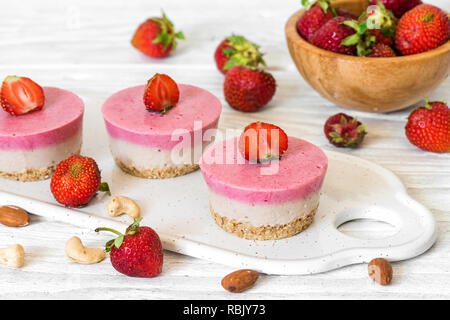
[316, 15]
[380, 50]
[332, 34]
[374, 33]
[380, 23]
[76, 181]
[156, 37]
[398, 7]
[344, 131]
[20, 95]
[236, 50]
[422, 29]
[428, 127]
[248, 89]
[137, 253]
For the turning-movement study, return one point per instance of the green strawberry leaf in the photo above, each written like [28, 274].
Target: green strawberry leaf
[362, 28]
[118, 241]
[350, 40]
[228, 52]
[179, 35]
[352, 24]
[323, 5]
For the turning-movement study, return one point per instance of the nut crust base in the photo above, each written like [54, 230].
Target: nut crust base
[264, 232]
[157, 173]
[34, 174]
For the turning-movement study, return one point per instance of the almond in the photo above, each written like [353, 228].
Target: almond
[13, 216]
[380, 270]
[240, 280]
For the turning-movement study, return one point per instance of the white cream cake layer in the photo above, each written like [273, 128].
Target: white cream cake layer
[143, 157]
[263, 214]
[48, 156]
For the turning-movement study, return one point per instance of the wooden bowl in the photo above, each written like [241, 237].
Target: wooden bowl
[367, 84]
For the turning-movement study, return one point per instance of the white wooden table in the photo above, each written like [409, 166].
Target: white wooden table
[84, 46]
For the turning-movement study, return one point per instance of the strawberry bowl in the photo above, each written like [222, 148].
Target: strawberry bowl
[367, 84]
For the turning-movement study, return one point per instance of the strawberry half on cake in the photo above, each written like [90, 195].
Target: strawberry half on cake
[39, 128]
[156, 130]
[264, 185]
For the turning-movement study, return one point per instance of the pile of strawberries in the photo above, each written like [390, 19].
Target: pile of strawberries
[387, 28]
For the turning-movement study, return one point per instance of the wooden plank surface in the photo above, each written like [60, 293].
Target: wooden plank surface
[84, 46]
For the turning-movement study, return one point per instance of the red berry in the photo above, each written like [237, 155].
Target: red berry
[332, 34]
[344, 131]
[380, 23]
[422, 29]
[20, 95]
[262, 141]
[161, 93]
[248, 89]
[156, 37]
[381, 50]
[398, 7]
[315, 16]
[236, 50]
[428, 127]
[76, 181]
[138, 253]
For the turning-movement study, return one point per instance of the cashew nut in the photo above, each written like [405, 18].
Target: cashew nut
[120, 204]
[12, 256]
[76, 251]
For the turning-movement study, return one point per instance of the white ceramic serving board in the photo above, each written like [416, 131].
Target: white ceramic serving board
[178, 209]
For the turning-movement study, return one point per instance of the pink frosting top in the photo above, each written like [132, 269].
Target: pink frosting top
[301, 171]
[60, 119]
[127, 119]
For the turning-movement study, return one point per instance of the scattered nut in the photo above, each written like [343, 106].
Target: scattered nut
[13, 216]
[240, 280]
[12, 256]
[119, 205]
[76, 251]
[380, 270]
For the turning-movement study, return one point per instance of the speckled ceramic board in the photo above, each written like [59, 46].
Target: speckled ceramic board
[178, 210]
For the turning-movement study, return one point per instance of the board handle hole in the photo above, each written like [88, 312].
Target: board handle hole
[371, 223]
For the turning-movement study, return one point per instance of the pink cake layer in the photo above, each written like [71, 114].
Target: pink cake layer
[59, 120]
[301, 172]
[127, 119]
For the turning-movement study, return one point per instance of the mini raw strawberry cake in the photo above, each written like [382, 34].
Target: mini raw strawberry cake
[39, 128]
[264, 186]
[156, 131]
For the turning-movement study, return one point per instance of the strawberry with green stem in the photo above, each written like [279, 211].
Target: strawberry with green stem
[379, 22]
[428, 127]
[345, 131]
[316, 14]
[374, 29]
[137, 253]
[421, 29]
[156, 37]
[334, 36]
[76, 181]
[236, 50]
